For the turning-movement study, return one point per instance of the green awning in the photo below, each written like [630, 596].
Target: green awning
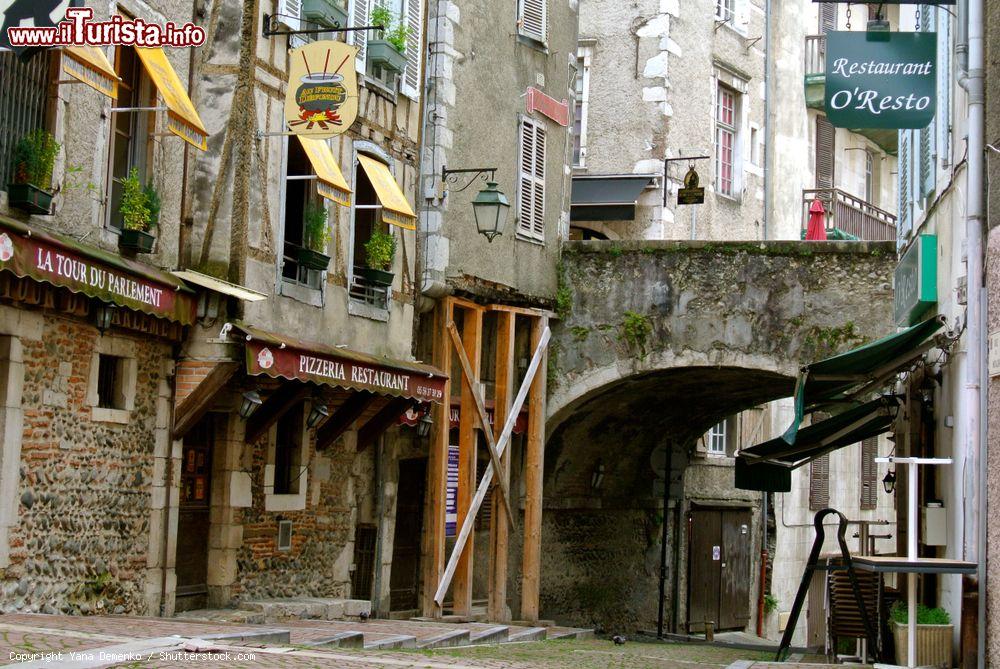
[859, 371]
[767, 466]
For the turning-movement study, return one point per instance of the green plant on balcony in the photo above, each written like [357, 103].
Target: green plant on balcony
[388, 52]
[380, 250]
[34, 159]
[315, 236]
[139, 208]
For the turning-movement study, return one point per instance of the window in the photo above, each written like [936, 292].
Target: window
[716, 439]
[724, 9]
[284, 535]
[873, 167]
[580, 110]
[109, 386]
[531, 181]
[756, 148]
[287, 453]
[131, 145]
[819, 483]
[23, 103]
[726, 125]
[827, 17]
[870, 483]
[367, 221]
[825, 147]
[300, 193]
[403, 74]
[532, 20]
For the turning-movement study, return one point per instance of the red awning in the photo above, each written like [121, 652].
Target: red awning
[66, 263]
[412, 417]
[275, 355]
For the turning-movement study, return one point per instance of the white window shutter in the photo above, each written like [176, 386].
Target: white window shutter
[532, 19]
[943, 116]
[531, 181]
[410, 83]
[290, 14]
[358, 11]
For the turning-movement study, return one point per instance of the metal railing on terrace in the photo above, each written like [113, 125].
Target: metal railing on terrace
[850, 214]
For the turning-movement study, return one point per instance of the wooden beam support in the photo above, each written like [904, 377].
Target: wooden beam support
[534, 472]
[435, 505]
[469, 305]
[523, 311]
[201, 398]
[484, 420]
[468, 446]
[275, 406]
[500, 531]
[382, 421]
[343, 418]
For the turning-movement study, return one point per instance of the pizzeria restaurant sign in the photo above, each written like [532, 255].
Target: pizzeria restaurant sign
[881, 80]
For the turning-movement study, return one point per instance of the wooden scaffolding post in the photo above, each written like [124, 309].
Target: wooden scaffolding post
[534, 472]
[468, 445]
[433, 549]
[499, 529]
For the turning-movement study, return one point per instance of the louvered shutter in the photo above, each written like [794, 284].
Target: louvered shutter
[531, 180]
[944, 88]
[290, 14]
[827, 17]
[819, 483]
[410, 82]
[904, 184]
[928, 171]
[826, 138]
[869, 474]
[358, 10]
[532, 19]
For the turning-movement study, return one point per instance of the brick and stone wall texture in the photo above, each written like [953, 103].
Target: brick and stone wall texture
[81, 540]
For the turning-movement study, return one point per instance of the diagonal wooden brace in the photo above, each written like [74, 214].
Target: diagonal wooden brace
[484, 485]
[456, 339]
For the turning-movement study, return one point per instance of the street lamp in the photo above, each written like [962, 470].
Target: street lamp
[251, 401]
[424, 426]
[490, 205]
[316, 414]
[889, 482]
[104, 313]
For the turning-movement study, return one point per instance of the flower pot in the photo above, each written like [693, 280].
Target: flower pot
[385, 54]
[325, 12]
[376, 276]
[313, 259]
[29, 198]
[138, 241]
[933, 645]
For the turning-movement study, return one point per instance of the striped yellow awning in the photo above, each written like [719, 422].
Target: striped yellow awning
[396, 209]
[89, 65]
[182, 117]
[330, 180]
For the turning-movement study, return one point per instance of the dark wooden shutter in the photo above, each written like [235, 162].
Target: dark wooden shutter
[819, 483]
[904, 184]
[826, 144]
[827, 17]
[869, 474]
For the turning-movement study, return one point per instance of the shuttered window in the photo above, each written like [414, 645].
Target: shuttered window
[869, 474]
[23, 104]
[928, 135]
[358, 10]
[532, 19]
[531, 181]
[819, 483]
[904, 184]
[290, 13]
[826, 145]
[827, 17]
[944, 87]
[724, 9]
[410, 83]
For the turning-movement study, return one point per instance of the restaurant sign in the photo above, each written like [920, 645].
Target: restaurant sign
[290, 363]
[692, 193]
[322, 96]
[42, 258]
[881, 79]
[916, 281]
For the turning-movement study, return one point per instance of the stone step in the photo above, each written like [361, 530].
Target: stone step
[306, 608]
[483, 633]
[338, 640]
[446, 639]
[521, 634]
[568, 633]
[391, 642]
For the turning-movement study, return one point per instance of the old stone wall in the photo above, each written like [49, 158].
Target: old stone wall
[82, 540]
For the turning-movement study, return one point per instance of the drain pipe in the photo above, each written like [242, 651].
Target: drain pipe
[974, 447]
[768, 139]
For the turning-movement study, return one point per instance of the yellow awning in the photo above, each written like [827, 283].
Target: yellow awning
[89, 65]
[395, 209]
[331, 183]
[182, 118]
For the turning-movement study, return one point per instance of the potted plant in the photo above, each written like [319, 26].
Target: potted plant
[315, 235]
[934, 633]
[380, 250]
[34, 158]
[137, 206]
[389, 52]
[326, 12]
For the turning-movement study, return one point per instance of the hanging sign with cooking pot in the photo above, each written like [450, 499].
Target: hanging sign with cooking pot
[322, 97]
[881, 80]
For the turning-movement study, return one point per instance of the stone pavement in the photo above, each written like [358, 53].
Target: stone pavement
[75, 642]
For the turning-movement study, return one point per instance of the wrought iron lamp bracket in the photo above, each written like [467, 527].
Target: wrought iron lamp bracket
[454, 176]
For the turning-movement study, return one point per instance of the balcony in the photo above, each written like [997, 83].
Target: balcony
[848, 214]
[815, 88]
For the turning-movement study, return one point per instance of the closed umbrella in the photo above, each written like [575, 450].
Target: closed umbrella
[816, 230]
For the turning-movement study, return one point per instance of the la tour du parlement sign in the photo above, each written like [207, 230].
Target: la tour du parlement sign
[881, 79]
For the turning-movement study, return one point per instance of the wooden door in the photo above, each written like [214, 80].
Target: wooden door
[719, 569]
[193, 518]
[405, 576]
[734, 600]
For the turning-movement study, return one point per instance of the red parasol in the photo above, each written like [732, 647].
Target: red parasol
[816, 231]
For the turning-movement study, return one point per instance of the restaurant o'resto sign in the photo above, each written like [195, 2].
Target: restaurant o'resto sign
[881, 80]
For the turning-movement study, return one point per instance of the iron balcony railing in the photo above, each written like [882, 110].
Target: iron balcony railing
[815, 54]
[850, 214]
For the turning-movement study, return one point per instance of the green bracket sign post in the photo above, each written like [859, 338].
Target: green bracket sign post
[916, 281]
